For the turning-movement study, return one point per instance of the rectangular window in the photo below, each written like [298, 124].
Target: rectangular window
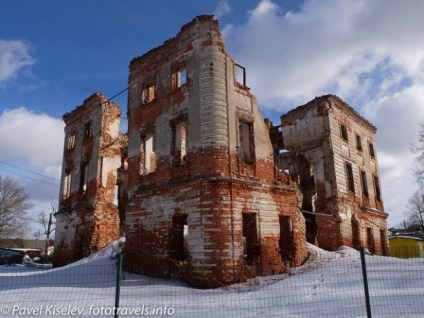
[343, 132]
[286, 241]
[147, 155]
[246, 146]
[179, 237]
[180, 142]
[66, 192]
[377, 188]
[240, 74]
[88, 130]
[71, 142]
[83, 177]
[250, 238]
[148, 94]
[358, 142]
[349, 178]
[370, 240]
[116, 199]
[371, 148]
[179, 77]
[364, 183]
[383, 239]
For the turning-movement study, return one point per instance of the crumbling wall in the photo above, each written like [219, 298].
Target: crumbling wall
[87, 218]
[339, 148]
[214, 169]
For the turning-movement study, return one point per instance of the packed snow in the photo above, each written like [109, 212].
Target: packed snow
[329, 284]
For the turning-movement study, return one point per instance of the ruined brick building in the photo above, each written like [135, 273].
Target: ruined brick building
[333, 159]
[200, 185]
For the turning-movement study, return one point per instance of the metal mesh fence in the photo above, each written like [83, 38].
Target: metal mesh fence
[329, 284]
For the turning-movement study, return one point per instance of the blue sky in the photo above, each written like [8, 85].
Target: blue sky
[54, 54]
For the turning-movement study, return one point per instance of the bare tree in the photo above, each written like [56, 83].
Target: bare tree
[415, 209]
[14, 204]
[418, 150]
[47, 221]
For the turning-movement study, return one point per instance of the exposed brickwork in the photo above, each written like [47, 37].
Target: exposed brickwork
[331, 143]
[88, 219]
[220, 168]
[203, 192]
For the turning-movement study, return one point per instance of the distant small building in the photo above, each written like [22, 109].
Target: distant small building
[406, 246]
[33, 248]
[8, 256]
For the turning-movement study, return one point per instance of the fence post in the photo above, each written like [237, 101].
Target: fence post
[118, 285]
[365, 279]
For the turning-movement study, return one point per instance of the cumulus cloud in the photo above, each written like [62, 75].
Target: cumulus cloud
[332, 46]
[369, 53]
[14, 57]
[33, 137]
[32, 142]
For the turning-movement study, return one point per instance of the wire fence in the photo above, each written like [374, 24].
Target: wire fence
[329, 284]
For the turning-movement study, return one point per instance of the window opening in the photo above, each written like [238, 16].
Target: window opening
[179, 237]
[240, 74]
[147, 155]
[148, 94]
[358, 142]
[67, 185]
[250, 239]
[383, 239]
[343, 132]
[370, 240]
[377, 188]
[372, 152]
[179, 78]
[246, 148]
[364, 183]
[83, 177]
[349, 178]
[116, 200]
[180, 142]
[88, 130]
[286, 242]
[71, 142]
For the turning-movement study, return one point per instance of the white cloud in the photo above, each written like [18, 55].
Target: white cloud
[32, 141]
[33, 137]
[327, 46]
[223, 8]
[370, 53]
[14, 57]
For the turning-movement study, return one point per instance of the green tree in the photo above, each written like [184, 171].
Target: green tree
[14, 204]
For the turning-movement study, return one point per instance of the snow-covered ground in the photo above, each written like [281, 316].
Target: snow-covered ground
[328, 285]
